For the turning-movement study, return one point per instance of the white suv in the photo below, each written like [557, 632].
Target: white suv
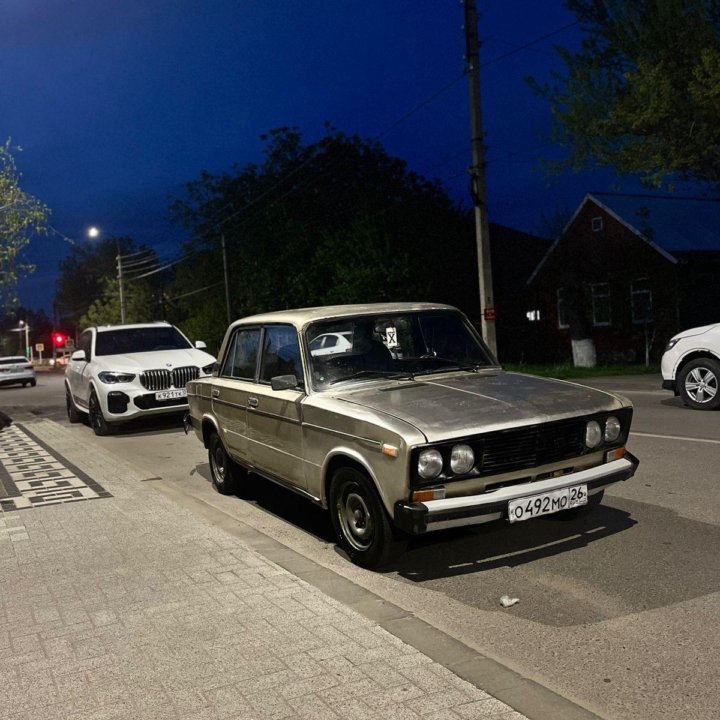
[122, 372]
[17, 370]
[691, 366]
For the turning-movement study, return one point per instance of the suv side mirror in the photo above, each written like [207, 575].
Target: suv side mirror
[200, 345]
[284, 382]
[78, 355]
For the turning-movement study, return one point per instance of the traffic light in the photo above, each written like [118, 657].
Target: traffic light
[59, 339]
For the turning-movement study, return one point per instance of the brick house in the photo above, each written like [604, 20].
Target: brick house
[628, 271]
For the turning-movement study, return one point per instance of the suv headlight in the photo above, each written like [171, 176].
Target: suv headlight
[430, 463]
[208, 368]
[113, 378]
[671, 344]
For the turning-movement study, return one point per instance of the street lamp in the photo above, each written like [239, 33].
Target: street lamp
[22, 324]
[94, 232]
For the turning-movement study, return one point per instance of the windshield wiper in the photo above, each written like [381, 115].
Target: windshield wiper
[381, 373]
[471, 367]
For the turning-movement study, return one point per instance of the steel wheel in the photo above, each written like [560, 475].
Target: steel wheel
[225, 473]
[698, 384]
[359, 519]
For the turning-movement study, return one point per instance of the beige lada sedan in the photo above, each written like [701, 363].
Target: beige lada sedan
[410, 427]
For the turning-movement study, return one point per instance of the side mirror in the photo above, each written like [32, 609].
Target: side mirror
[78, 355]
[284, 382]
[200, 345]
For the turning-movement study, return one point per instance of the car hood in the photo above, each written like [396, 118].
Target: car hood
[464, 404]
[691, 332]
[158, 359]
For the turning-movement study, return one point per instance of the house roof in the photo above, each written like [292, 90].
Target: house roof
[668, 223]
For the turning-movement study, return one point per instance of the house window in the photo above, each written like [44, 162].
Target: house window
[562, 309]
[596, 224]
[600, 303]
[641, 301]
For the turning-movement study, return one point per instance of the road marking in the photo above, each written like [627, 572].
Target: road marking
[676, 437]
[32, 474]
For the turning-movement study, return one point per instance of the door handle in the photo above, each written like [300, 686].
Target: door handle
[215, 393]
[253, 402]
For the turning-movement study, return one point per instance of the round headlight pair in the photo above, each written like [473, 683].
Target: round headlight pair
[594, 434]
[430, 461]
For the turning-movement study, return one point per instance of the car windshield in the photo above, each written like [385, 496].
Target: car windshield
[137, 340]
[394, 346]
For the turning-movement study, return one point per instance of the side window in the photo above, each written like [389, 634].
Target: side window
[281, 353]
[641, 300]
[563, 321]
[601, 303]
[241, 358]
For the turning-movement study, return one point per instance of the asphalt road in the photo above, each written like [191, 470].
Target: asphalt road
[618, 611]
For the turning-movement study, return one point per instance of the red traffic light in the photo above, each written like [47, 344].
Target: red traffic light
[59, 339]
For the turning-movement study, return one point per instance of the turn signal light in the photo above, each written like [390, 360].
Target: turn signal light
[437, 493]
[618, 454]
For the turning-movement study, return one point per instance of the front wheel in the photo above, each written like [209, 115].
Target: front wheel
[98, 423]
[360, 521]
[226, 475]
[698, 384]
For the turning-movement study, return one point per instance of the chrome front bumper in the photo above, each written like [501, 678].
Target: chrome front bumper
[421, 517]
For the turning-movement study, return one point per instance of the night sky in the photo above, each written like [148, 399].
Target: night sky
[117, 104]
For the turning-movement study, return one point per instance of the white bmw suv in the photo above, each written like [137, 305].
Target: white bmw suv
[122, 372]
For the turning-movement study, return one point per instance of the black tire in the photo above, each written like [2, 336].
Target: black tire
[226, 475]
[578, 512]
[698, 383]
[360, 522]
[98, 423]
[33, 383]
[73, 414]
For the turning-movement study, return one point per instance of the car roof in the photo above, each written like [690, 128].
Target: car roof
[14, 357]
[135, 326]
[302, 316]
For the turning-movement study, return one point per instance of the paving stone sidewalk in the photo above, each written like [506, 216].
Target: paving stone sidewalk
[132, 607]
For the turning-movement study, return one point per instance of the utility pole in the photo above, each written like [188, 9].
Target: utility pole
[225, 272]
[120, 284]
[477, 175]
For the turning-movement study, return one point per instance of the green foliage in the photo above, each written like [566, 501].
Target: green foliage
[336, 221]
[21, 216]
[642, 95]
[141, 305]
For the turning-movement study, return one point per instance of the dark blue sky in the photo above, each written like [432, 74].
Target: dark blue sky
[117, 104]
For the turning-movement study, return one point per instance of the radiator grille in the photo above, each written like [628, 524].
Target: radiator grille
[165, 379]
[511, 450]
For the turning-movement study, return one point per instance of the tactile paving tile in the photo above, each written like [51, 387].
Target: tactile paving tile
[33, 475]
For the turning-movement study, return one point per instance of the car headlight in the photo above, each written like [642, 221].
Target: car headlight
[462, 459]
[593, 434]
[208, 368]
[612, 429]
[430, 463]
[113, 378]
[671, 344]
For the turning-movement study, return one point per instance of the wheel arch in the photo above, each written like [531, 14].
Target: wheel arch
[694, 355]
[208, 427]
[347, 457]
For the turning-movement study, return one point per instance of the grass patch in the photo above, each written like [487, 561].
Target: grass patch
[566, 371]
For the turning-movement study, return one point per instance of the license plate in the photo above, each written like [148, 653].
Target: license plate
[546, 503]
[171, 394]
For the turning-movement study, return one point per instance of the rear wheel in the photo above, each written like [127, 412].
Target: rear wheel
[698, 384]
[72, 412]
[33, 382]
[360, 522]
[226, 475]
[98, 423]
